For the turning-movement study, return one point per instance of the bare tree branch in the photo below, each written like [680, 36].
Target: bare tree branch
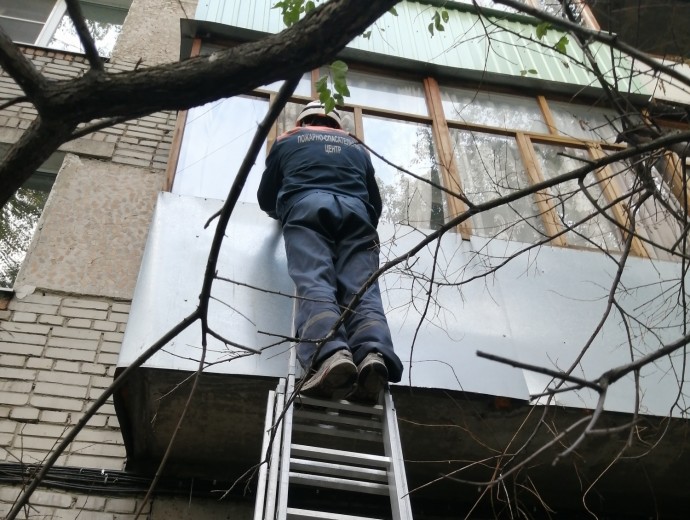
[34, 147]
[21, 69]
[184, 84]
[556, 374]
[11, 102]
[77, 17]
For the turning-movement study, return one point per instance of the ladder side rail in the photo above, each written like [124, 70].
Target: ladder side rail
[400, 499]
[284, 477]
[260, 501]
[274, 466]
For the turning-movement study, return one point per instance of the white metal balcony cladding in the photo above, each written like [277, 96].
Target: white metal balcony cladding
[493, 45]
[540, 308]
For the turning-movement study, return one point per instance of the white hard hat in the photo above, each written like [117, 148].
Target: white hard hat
[316, 108]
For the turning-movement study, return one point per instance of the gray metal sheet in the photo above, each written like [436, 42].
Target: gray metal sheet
[555, 299]
[540, 308]
[439, 342]
[170, 281]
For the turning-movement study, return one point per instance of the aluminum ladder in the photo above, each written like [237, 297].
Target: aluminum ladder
[324, 459]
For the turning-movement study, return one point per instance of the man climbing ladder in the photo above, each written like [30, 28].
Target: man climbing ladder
[319, 182]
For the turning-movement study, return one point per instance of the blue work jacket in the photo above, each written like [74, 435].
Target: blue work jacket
[317, 158]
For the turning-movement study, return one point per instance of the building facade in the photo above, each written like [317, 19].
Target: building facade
[479, 110]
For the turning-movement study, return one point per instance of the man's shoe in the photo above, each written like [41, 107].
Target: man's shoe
[372, 377]
[334, 378]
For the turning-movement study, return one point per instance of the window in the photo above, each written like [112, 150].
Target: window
[382, 92]
[216, 138]
[503, 143]
[660, 218]
[586, 225]
[491, 167]
[406, 199]
[20, 215]
[46, 23]
[396, 125]
[583, 122]
[433, 139]
[492, 109]
[489, 4]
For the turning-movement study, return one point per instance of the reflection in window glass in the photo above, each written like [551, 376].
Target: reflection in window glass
[654, 219]
[406, 200]
[286, 119]
[384, 92]
[571, 204]
[497, 110]
[19, 217]
[490, 167]
[216, 138]
[584, 122]
[487, 3]
[555, 7]
[303, 87]
[23, 20]
[104, 24]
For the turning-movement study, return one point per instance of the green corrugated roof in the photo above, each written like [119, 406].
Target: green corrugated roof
[499, 47]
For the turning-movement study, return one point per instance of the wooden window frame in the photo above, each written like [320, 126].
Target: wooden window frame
[450, 173]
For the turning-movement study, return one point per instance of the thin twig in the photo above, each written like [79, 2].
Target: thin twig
[556, 374]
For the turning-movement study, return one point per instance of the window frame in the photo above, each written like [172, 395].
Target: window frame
[611, 192]
[55, 16]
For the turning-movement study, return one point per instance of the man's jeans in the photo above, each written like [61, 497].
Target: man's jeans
[332, 249]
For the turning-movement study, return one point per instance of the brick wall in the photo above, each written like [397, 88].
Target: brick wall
[144, 142]
[57, 354]
[58, 505]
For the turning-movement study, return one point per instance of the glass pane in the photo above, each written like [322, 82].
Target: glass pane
[388, 93]
[655, 217]
[104, 24]
[18, 218]
[584, 122]
[571, 204]
[216, 138]
[36, 10]
[406, 200]
[303, 87]
[487, 3]
[555, 7]
[497, 110]
[490, 167]
[20, 31]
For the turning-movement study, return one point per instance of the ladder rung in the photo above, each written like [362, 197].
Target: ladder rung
[338, 470]
[343, 484]
[340, 405]
[347, 457]
[332, 431]
[305, 514]
[339, 419]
